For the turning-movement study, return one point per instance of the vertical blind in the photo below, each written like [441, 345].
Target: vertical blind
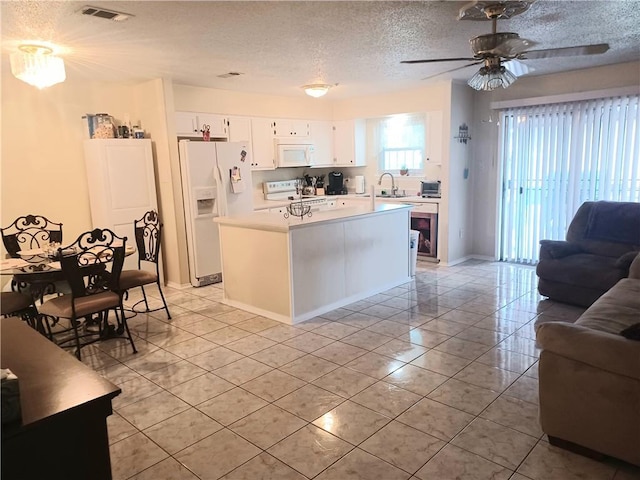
[554, 158]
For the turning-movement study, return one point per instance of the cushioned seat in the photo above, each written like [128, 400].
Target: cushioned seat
[590, 375]
[602, 241]
[14, 302]
[135, 278]
[62, 307]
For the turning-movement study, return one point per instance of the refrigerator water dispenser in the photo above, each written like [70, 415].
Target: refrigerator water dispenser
[205, 201]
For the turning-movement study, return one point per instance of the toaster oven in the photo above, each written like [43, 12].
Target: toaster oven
[430, 189]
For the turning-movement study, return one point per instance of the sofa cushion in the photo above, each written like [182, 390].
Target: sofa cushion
[582, 270]
[616, 310]
[606, 228]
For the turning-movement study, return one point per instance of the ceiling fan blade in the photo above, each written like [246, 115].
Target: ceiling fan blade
[433, 60]
[517, 67]
[512, 48]
[566, 51]
[453, 69]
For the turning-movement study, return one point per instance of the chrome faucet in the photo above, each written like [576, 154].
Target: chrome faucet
[394, 189]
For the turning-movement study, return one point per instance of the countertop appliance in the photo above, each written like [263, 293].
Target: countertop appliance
[290, 190]
[430, 189]
[336, 184]
[216, 181]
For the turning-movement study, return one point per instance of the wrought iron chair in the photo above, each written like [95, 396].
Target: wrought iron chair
[14, 304]
[27, 233]
[148, 233]
[92, 266]
[30, 232]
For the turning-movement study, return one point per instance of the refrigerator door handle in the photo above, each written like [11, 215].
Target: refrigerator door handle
[222, 193]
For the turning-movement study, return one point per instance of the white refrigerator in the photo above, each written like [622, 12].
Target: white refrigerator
[216, 181]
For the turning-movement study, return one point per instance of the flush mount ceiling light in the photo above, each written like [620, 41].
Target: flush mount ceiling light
[316, 90]
[37, 66]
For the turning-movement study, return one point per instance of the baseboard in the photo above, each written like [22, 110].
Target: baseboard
[178, 286]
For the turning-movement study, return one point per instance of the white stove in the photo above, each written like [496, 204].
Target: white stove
[289, 190]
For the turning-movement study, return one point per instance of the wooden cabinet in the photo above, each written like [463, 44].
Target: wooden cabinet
[264, 150]
[290, 128]
[349, 143]
[191, 124]
[240, 131]
[322, 139]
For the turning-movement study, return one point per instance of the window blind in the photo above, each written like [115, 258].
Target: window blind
[554, 158]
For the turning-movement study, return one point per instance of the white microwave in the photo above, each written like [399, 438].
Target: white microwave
[290, 153]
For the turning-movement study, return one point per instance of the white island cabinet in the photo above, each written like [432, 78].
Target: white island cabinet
[292, 270]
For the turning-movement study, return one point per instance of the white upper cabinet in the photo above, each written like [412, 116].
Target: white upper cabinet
[349, 143]
[264, 149]
[290, 128]
[322, 139]
[187, 124]
[192, 124]
[240, 131]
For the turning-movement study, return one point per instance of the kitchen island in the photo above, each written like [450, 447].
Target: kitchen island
[292, 269]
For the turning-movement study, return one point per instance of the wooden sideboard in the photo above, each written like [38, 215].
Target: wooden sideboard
[63, 430]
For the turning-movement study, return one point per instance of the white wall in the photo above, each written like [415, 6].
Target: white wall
[484, 164]
[458, 188]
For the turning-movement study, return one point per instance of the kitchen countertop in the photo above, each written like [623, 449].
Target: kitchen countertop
[265, 204]
[277, 223]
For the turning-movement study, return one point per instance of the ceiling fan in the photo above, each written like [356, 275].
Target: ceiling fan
[501, 52]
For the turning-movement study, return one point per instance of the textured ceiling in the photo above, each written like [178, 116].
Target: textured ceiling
[280, 46]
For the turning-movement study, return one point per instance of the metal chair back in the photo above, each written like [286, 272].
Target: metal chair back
[93, 263]
[29, 232]
[148, 233]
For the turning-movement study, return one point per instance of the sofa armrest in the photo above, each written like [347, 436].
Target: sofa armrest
[612, 353]
[634, 268]
[553, 249]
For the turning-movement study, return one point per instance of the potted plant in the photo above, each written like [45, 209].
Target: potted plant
[404, 170]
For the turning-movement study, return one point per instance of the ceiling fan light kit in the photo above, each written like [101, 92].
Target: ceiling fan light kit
[37, 66]
[496, 47]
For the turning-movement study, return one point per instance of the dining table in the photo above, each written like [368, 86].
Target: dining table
[37, 271]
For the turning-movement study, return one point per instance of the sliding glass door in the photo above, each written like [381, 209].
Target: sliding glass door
[554, 158]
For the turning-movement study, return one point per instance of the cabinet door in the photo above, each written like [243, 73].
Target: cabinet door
[187, 124]
[217, 124]
[322, 139]
[349, 138]
[239, 129]
[122, 185]
[263, 145]
[290, 128]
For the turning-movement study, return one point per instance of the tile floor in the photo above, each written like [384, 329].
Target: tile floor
[435, 379]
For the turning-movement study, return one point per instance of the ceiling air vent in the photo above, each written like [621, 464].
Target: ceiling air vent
[229, 75]
[103, 13]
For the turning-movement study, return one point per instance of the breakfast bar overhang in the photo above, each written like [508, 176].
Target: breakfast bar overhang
[293, 269]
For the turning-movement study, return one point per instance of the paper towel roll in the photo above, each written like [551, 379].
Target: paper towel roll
[359, 183]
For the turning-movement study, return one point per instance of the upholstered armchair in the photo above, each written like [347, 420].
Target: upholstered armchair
[602, 241]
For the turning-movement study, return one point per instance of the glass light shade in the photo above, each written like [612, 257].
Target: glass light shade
[316, 90]
[36, 66]
[490, 78]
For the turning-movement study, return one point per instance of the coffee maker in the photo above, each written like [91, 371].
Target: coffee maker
[335, 184]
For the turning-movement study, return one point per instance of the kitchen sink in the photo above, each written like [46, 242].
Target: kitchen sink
[388, 195]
